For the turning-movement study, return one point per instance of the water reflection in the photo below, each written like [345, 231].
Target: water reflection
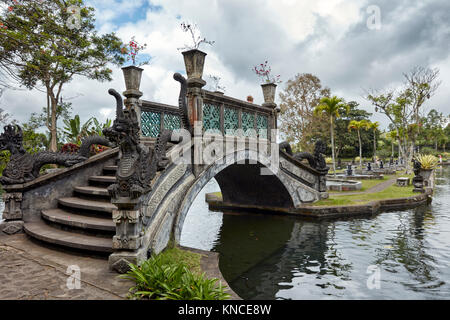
[275, 257]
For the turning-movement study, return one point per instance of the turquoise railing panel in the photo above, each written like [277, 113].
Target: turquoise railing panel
[150, 124]
[172, 121]
[231, 120]
[248, 123]
[262, 125]
[211, 117]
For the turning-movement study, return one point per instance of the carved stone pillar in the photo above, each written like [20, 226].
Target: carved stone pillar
[12, 213]
[129, 232]
[132, 76]
[195, 110]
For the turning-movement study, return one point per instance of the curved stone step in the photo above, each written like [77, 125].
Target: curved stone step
[92, 205]
[46, 233]
[103, 179]
[79, 221]
[110, 168]
[93, 191]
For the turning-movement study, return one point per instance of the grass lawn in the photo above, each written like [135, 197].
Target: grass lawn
[367, 184]
[176, 255]
[391, 192]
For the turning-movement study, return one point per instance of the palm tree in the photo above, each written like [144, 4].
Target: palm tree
[332, 107]
[374, 127]
[358, 125]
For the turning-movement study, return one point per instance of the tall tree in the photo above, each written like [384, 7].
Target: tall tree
[44, 44]
[433, 127]
[345, 141]
[299, 124]
[358, 126]
[404, 108]
[332, 107]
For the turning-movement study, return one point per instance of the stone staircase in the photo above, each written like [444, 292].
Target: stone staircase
[83, 221]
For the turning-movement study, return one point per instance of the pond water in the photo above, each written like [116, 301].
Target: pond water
[393, 255]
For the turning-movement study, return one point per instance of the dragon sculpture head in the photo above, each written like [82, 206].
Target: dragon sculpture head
[11, 140]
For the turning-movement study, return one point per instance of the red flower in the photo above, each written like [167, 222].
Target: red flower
[10, 8]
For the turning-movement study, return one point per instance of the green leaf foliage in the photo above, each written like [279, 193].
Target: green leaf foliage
[162, 278]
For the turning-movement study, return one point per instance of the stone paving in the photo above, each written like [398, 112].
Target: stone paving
[22, 277]
[31, 272]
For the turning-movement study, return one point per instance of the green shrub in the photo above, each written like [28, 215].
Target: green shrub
[427, 161]
[158, 278]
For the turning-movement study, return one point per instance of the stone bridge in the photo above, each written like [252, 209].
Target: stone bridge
[231, 140]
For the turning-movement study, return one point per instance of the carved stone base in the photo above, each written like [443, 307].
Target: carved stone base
[12, 227]
[12, 206]
[119, 261]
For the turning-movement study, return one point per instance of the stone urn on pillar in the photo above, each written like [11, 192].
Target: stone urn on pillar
[132, 75]
[269, 90]
[194, 61]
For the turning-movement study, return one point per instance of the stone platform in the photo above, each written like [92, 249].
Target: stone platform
[31, 271]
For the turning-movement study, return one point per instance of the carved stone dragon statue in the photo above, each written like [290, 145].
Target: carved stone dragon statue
[24, 167]
[316, 160]
[139, 164]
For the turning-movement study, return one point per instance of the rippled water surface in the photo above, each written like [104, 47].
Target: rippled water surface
[273, 257]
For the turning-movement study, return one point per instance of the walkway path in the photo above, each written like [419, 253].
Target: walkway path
[377, 188]
[32, 272]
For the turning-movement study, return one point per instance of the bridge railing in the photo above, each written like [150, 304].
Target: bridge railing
[227, 115]
[218, 112]
[156, 117]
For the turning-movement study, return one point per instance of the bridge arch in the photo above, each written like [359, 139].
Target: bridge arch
[241, 183]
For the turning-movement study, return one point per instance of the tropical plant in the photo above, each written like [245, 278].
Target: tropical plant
[374, 126]
[427, 161]
[132, 50]
[197, 40]
[358, 126]
[74, 131]
[264, 71]
[98, 127]
[70, 148]
[393, 136]
[332, 107]
[158, 279]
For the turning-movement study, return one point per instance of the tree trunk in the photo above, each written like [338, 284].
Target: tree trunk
[360, 150]
[332, 144]
[53, 130]
[374, 146]
[392, 155]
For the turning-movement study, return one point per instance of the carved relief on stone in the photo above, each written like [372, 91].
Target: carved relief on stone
[12, 206]
[126, 242]
[155, 198]
[123, 216]
[11, 227]
[297, 171]
[305, 195]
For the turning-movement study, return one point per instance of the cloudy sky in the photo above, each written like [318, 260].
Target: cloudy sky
[340, 41]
